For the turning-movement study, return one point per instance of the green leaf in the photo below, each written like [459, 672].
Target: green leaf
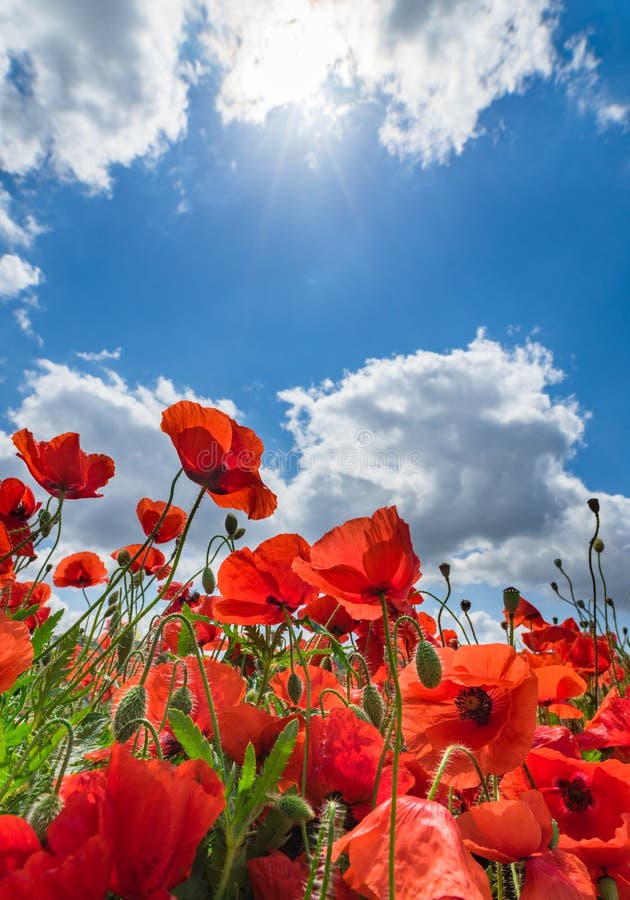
[275, 764]
[43, 632]
[248, 772]
[190, 737]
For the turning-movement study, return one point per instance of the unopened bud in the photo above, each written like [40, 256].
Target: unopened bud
[238, 534]
[610, 602]
[445, 569]
[132, 706]
[42, 813]
[294, 807]
[45, 520]
[125, 645]
[113, 598]
[137, 578]
[326, 664]
[295, 687]
[554, 587]
[593, 505]
[231, 524]
[465, 605]
[182, 699]
[554, 620]
[360, 713]
[373, 704]
[580, 604]
[607, 888]
[123, 559]
[208, 580]
[598, 545]
[511, 597]
[557, 563]
[428, 665]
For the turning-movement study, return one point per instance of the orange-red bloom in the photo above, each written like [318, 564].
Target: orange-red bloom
[80, 570]
[17, 505]
[6, 549]
[431, 860]
[557, 684]
[171, 526]
[362, 560]
[61, 467]
[257, 586]
[507, 830]
[486, 701]
[16, 651]
[220, 455]
[151, 560]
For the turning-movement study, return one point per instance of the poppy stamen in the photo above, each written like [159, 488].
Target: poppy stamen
[576, 794]
[474, 703]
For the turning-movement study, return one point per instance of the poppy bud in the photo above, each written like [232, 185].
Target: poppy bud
[428, 665]
[137, 578]
[373, 704]
[238, 534]
[593, 505]
[114, 619]
[294, 688]
[554, 587]
[580, 604]
[125, 645]
[294, 807]
[45, 520]
[113, 598]
[554, 620]
[607, 888]
[598, 545]
[610, 602]
[326, 664]
[208, 580]
[131, 707]
[124, 558]
[465, 605]
[360, 713]
[557, 563]
[42, 812]
[182, 699]
[445, 569]
[511, 597]
[231, 524]
[555, 835]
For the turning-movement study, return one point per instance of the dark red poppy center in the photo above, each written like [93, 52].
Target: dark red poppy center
[474, 703]
[575, 793]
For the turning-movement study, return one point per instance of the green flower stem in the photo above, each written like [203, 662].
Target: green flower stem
[456, 748]
[393, 668]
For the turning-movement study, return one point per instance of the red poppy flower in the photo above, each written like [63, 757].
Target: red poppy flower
[556, 737]
[320, 679]
[431, 860]
[486, 701]
[610, 726]
[557, 684]
[220, 455]
[205, 632]
[80, 570]
[172, 525]
[589, 801]
[17, 505]
[277, 875]
[61, 467]
[362, 560]
[563, 873]
[328, 611]
[152, 561]
[16, 651]
[257, 586]
[506, 831]
[17, 842]
[6, 550]
[527, 614]
[19, 595]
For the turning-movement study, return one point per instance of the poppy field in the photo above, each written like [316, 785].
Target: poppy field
[292, 720]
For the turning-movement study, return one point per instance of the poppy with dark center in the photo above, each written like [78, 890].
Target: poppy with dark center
[363, 560]
[220, 455]
[80, 570]
[17, 505]
[61, 467]
[172, 525]
[20, 595]
[486, 701]
[610, 726]
[590, 801]
[151, 560]
[258, 586]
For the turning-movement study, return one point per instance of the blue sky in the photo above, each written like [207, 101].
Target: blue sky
[382, 185]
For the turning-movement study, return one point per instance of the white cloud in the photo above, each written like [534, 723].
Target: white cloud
[587, 88]
[16, 275]
[100, 356]
[470, 445]
[84, 86]
[23, 318]
[434, 66]
[10, 230]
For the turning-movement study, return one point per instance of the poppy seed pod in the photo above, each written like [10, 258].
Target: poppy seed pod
[557, 563]
[465, 605]
[294, 807]
[42, 813]
[123, 559]
[208, 580]
[598, 545]
[133, 706]
[593, 505]
[373, 704]
[428, 665]
[445, 569]
[511, 597]
[182, 699]
[294, 688]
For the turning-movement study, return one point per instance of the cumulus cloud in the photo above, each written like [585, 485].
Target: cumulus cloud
[16, 275]
[470, 444]
[87, 85]
[434, 66]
